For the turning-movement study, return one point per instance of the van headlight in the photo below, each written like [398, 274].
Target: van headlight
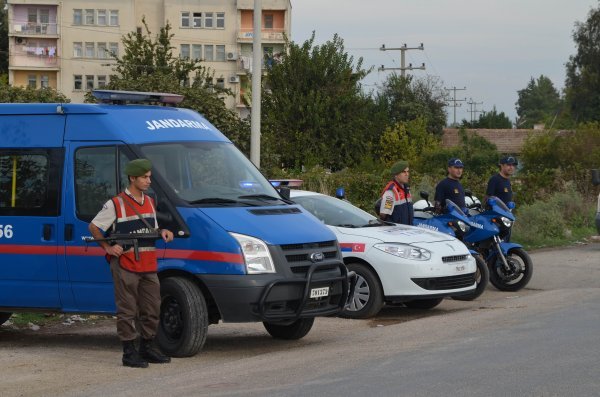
[256, 254]
[404, 251]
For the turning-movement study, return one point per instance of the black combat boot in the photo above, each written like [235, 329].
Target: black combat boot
[152, 355]
[131, 357]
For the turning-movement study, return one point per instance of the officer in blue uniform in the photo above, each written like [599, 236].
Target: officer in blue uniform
[450, 188]
[499, 184]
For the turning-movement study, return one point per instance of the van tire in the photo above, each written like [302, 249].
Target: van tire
[296, 330]
[4, 316]
[183, 318]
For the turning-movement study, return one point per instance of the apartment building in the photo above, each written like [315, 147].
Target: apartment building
[66, 44]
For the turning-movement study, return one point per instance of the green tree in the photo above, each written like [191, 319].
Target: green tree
[491, 119]
[582, 85]
[148, 64]
[407, 141]
[408, 98]
[539, 102]
[3, 39]
[9, 94]
[313, 109]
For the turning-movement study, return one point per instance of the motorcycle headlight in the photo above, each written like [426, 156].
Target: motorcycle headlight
[404, 251]
[256, 254]
[462, 226]
[506, 222]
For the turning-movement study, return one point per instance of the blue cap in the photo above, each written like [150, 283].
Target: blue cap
[509, 160]
[455, 162]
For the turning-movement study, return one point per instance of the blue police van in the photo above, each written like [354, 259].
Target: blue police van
[242, 251]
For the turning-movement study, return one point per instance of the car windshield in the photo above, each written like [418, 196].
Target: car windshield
[336, 212]
[210, 174]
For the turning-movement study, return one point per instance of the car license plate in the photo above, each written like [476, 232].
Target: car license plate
[319, 292]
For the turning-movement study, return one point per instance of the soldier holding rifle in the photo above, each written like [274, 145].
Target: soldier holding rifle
[130, 219]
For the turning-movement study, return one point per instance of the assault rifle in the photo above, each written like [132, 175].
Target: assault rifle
[126, 240]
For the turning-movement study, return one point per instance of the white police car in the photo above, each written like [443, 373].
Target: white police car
[394, 263]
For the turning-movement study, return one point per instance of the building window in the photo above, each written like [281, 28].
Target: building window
[197, 51]
[77, 50]
[44, 15]
[77, 17]
[89, 17]
[90, 50]
[77, 82]
[220, 54]
[185, 19]
[102, 50]
[184, 51]
[268, 21]
[114, 17]
[114, 49]
[220, 83]
[102, 17]
[209, 53]
[220, 20]
[89, 82]
[208, 20]
[32, 81]
[44, 81]
[32, 15]
[101, 81]
[197, 19]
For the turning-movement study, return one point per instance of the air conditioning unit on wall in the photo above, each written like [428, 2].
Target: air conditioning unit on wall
[232, 56]
[234, 79]
[21, 40]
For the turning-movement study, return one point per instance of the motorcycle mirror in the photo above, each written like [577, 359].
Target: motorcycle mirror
[424, 195]
[491, 202]
[511, 205]
[468, 193]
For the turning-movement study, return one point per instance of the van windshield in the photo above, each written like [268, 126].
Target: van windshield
[210, 174]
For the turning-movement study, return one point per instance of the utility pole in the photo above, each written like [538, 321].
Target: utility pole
[454, 100]
[473, 108]
[402, 50]
[257, 56]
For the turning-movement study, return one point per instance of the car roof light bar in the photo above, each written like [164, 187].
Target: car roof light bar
[121, 97]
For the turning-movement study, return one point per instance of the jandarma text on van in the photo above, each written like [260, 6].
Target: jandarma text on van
[175, 123]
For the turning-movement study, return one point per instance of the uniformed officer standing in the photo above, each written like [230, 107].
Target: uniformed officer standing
[451, 188]
[136, 285]
[396, 202]
[499, 184]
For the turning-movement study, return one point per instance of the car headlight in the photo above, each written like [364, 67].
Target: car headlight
[506, 222]
[404, 251]
[256, 254]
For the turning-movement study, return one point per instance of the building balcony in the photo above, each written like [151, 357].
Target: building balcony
[267, 35]
[33, 29]
[34, 57]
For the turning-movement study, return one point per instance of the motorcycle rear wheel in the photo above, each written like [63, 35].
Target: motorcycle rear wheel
[521, 270]
[482, 276]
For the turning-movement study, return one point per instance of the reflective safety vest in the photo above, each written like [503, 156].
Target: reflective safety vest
[128, 221]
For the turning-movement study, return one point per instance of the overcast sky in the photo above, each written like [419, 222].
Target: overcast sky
[491, 47]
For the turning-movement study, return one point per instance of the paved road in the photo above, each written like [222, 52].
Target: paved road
[541, 341]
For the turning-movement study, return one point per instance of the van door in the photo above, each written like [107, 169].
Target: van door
[90, 180]
[30, 181]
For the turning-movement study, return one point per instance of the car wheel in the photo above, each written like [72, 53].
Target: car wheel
[368, 293]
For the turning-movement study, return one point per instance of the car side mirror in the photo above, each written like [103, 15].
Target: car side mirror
[424, 195]
[285, 192]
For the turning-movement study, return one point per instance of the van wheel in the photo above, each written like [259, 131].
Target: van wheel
[423, 303]
[296, 330]
[183, 318]
[368, 294]
[4, 316]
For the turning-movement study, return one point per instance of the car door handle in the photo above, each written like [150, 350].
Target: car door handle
[68, 232]
[47, 232]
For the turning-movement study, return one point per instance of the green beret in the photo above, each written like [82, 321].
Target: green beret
[138, 167]
[399, 167]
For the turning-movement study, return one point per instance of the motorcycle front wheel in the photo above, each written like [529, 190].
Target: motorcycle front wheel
[517, 276]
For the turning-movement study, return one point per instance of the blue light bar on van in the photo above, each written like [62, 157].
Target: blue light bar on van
[112, 96]
[286, 182]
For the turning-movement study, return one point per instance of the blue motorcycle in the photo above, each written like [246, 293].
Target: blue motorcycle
[510, 267]
[455, 223]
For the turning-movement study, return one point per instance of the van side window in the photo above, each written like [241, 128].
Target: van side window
[95, 179]
[30, 182]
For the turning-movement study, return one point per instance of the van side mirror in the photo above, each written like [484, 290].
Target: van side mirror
[285, 192]
[424, 195]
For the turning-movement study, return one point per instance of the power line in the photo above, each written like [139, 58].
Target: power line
[454, 100]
